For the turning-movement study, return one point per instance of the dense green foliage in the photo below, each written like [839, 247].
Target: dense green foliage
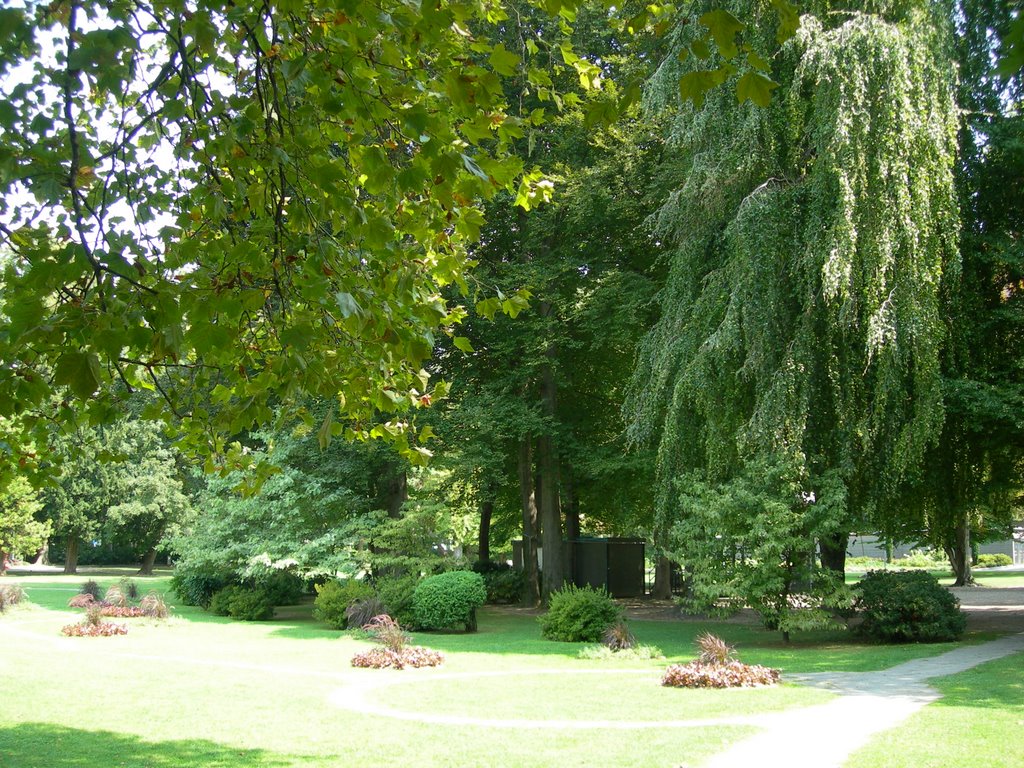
[907, 607]
[579, 615]
[21, 531]
[334, 598]
[449, 600]
[245, 603]
[504, 583]
[195, 584]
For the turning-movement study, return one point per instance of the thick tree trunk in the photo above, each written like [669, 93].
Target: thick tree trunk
[550, 518]
[662, 589]
[146, 569]
[833, 552]
[959, 554]
[528, 502]
[396, 492]
[71, 555]
[3, 563]
[483, 551]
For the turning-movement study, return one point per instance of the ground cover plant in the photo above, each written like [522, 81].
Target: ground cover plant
[717, 667]
[505, 670]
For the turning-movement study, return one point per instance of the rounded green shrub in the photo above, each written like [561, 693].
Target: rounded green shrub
[579, 615]
[449, 600]
[334, 598]
[907, 607]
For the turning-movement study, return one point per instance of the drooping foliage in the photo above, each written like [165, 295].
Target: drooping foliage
[801, 316]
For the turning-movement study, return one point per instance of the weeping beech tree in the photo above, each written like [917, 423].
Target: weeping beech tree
[801, 323]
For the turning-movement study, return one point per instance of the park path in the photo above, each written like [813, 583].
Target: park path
[825, 736]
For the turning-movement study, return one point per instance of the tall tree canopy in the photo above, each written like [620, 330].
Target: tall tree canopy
[801, 317]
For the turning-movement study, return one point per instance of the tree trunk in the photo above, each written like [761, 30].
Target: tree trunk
[147, 562]
[43, 556]
[528, 502]
[550, 517]
[833, 552]
[396, 492]
[571, 506]
[959, 554]
[483, 551]
[662, 589]
[71, 555]
[3, 563]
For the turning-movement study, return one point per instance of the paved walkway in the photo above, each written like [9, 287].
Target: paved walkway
[871, 702]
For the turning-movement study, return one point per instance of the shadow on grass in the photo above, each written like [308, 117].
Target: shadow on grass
[44, 745]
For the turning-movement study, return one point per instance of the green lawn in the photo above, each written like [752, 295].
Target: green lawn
[984, 577]
[979, 721]
[199, 690]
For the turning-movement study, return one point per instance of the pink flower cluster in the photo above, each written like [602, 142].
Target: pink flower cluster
[733, 674]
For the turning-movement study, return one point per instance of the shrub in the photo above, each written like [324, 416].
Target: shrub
[907, 606]
[90, 587]
[129, 589]
[618, 637]
[922, 558]
[732, 675]
[396, 594]
[396, 651]
[115, 597]
[220, 601]
[334, 598]
[449, 600]
[154, 606]
[504, 584]
[579, 615]
[10, 594]
[361, 612]
[714, 650]
[81, 600]
[994, 561]
[243, 603]
[196, 585]
[281, 587]
[717, 667]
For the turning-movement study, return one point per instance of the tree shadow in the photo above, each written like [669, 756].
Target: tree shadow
[45, 745]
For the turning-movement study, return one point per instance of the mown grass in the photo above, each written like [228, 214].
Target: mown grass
[979, 721]
[200, 690]
[984, 576]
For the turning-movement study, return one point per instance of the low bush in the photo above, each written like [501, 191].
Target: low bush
[396, 594]
[243, 603]
[396, 651]
[579, 615]
[154, 606]
[280, 587]
[196, 585]
[115, 597]
[907, 606]
[922, 558]
[361, 612]
[618, 637]
[90, 587]
[129, 589]
[449, 600]
[504, 584]
[735, 674]
[994, 561]
[10, 595]
[81, 600]
[334, 598]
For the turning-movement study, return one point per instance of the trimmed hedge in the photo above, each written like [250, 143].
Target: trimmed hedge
[449, 600]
